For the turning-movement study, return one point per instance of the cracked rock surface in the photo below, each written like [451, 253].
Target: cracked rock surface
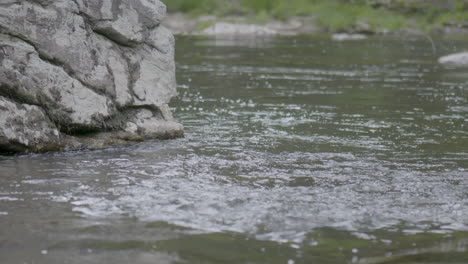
[84, 74]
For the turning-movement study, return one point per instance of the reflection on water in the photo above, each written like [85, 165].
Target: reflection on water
[297, 150]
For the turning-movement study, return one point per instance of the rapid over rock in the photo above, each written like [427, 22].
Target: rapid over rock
[84, 74]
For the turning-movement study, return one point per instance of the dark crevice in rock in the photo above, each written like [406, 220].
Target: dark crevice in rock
[76, 3]
[80, 132]
[116, 38]
[155, 109]
[12, 147]
[133, 74]
[6, 151]
[5, 31]
[101, 124]
[118, 122]
[151, 27]
[109, 69]
[156, 48]
[127, 114]
[53, 111]
[10, 93]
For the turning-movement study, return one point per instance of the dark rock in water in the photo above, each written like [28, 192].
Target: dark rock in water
[84, 74]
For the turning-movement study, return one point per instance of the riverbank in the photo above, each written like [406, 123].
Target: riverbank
[295, 17]
[185, 24]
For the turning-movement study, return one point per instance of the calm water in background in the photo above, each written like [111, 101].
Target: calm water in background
[297, 150]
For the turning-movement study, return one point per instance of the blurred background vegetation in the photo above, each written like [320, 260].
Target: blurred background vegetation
[337, 14]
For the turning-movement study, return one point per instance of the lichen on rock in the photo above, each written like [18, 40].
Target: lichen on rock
[84, 68]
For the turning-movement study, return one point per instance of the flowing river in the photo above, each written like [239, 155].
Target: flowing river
[297, 150]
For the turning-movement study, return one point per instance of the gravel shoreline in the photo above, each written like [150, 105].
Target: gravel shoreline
[209, 25]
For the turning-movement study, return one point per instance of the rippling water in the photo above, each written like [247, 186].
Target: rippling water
[297, 150]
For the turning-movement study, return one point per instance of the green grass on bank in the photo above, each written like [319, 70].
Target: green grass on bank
[338, 15]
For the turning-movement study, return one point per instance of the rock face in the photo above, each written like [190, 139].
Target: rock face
[84, 74]
[455, 60]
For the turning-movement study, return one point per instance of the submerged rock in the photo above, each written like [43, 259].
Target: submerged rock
[73, 71]
[346, 36]
[225, 28]
[455, 60]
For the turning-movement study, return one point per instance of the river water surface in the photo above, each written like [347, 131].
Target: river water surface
[297, 150]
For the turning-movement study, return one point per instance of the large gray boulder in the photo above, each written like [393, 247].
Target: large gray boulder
[84, 74]
[458, 60]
